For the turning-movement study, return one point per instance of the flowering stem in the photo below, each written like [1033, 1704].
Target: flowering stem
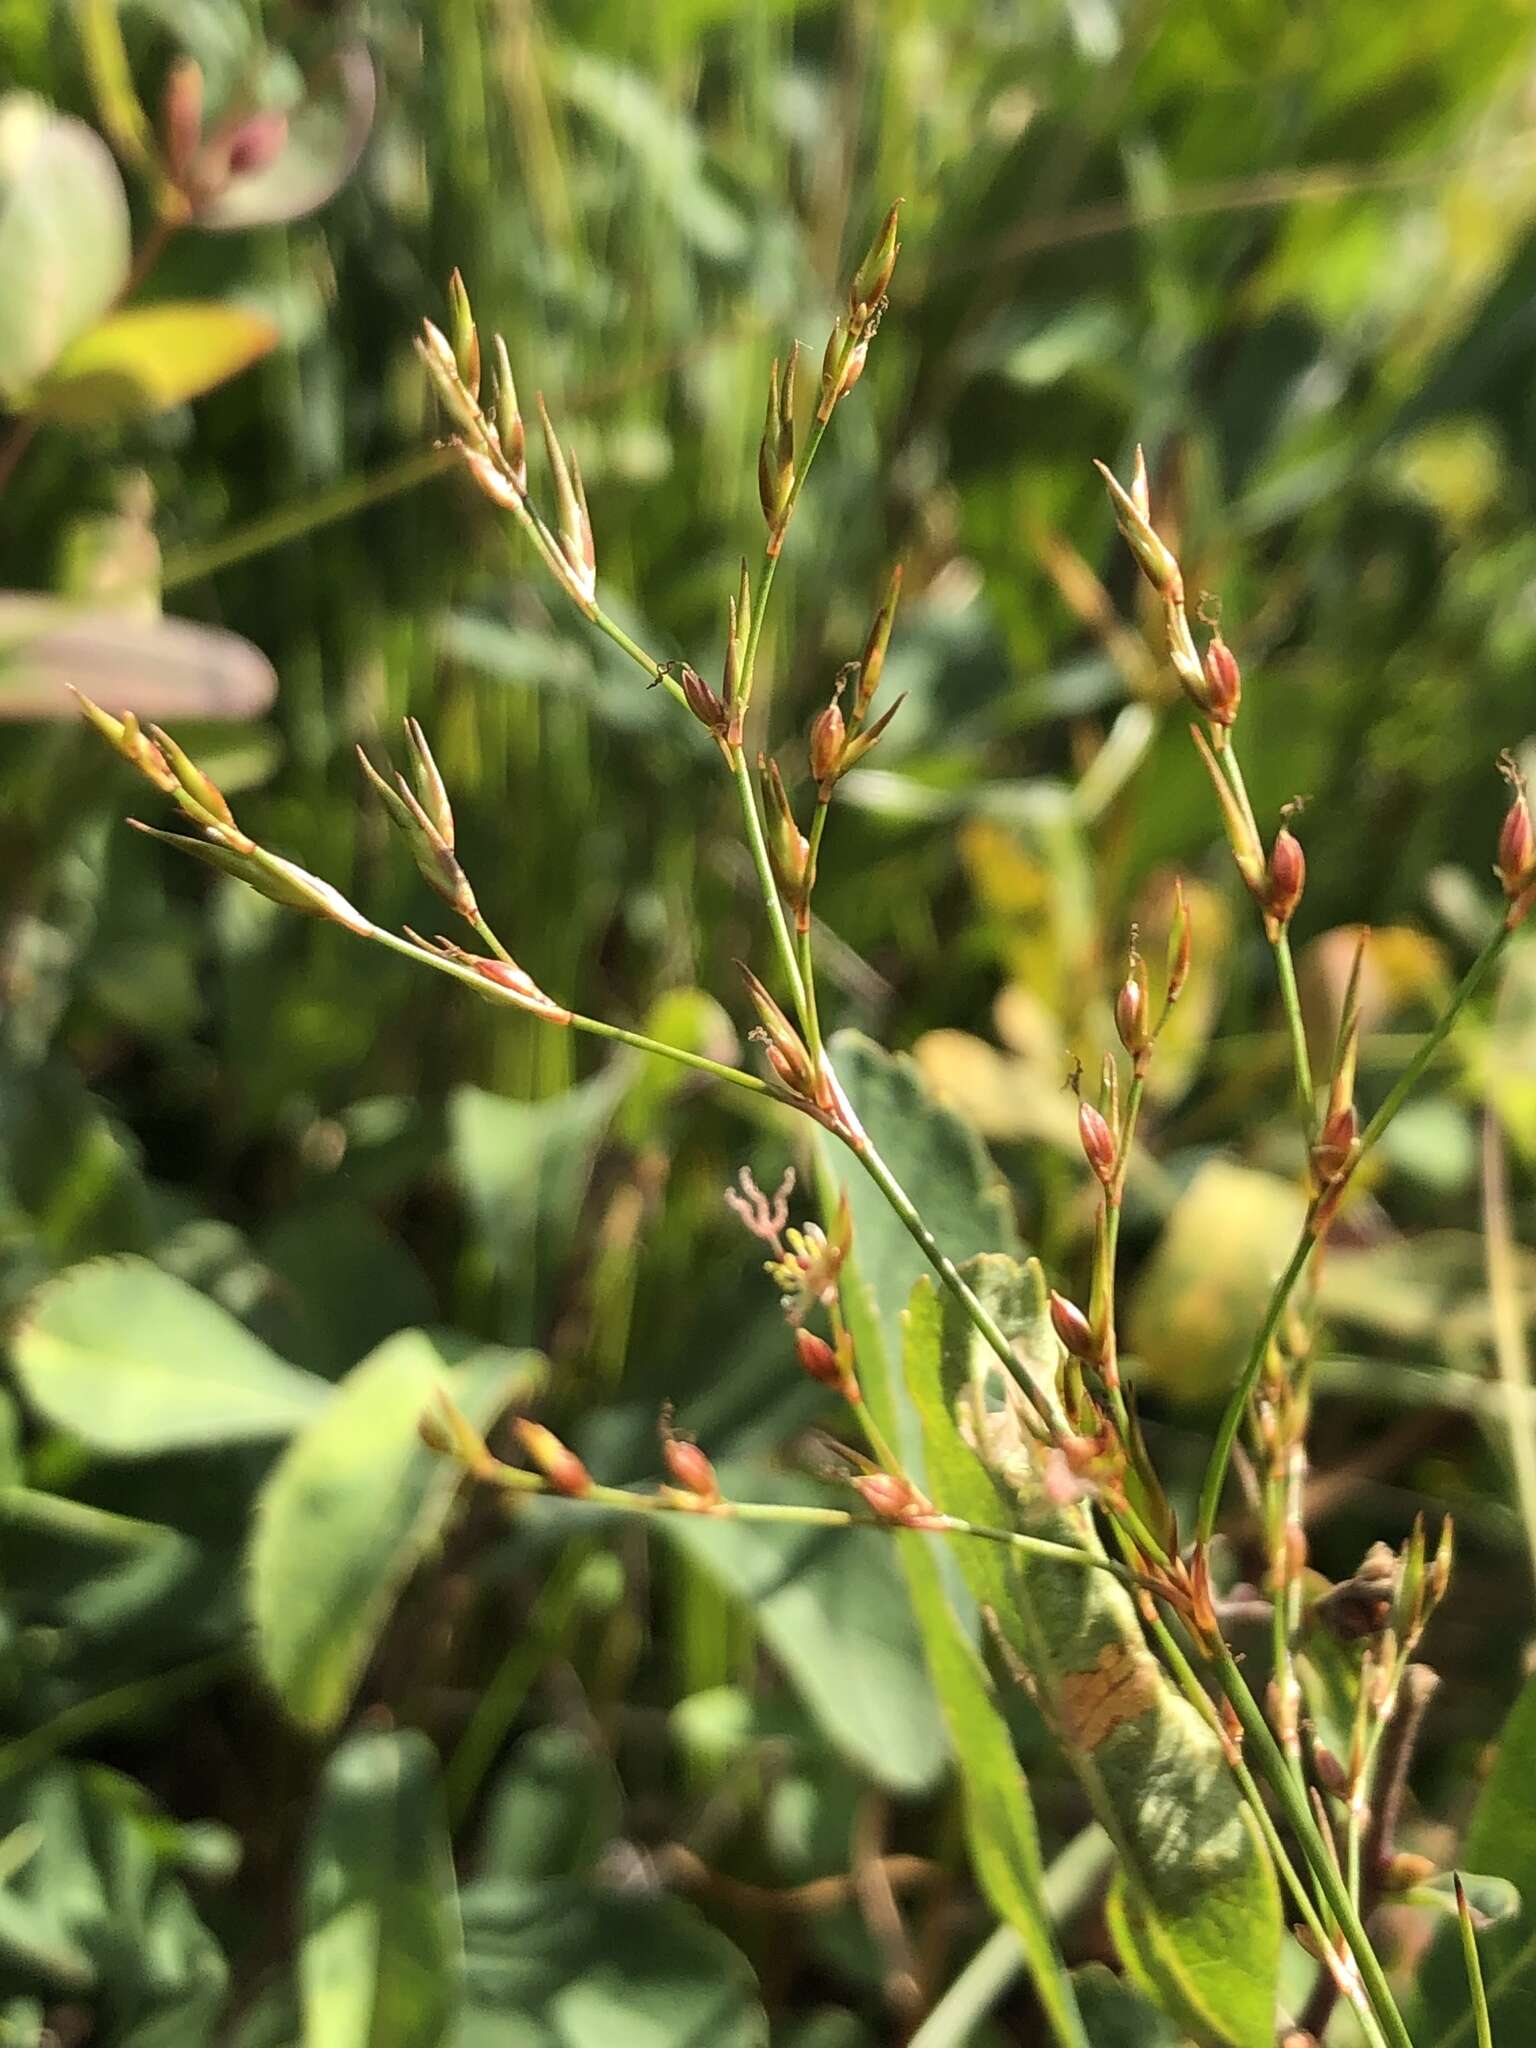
[1397, 1095]
[1293, 1801]
[1285, 966]
[778, 924]
[796, 1514]
[803, 931]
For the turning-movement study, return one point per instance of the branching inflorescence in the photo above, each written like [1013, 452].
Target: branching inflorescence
[1086, 1438]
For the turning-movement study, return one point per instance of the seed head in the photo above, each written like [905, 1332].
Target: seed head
[1224, 681]
[829, 736]
[1132, 1009]
[1286, 877]
[1098, 1142]
[873, 276]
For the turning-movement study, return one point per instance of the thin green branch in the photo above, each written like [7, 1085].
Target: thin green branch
[1242, 1393]
[1511, 1350]
[757, 845]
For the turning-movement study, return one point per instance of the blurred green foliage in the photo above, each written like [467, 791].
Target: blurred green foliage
[1292, 249]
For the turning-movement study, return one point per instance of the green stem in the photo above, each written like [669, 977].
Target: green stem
[1301, 1063]
[803, 932]
[1397, 1095]
[1293, 1801]
[778, 924]
[594, 1027]
[293, 522]
[1511, 1350]
[796, 1514]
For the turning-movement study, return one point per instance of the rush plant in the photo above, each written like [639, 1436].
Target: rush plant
[987, 1412]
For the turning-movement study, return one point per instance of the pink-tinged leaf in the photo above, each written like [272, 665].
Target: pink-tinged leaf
[161, 669]
[326, 136]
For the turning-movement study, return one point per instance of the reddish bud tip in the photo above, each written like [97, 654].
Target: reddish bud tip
[1224, 681]
[1335, 1143]
[688, 1468]
[557, 1461]
[887, 1496]
[1098, 1142]
[1517, 847]
[257, 142]
[1072, 1327]
[1286, 876]
[1132, 1006]
[828, 736]
[818, 1359]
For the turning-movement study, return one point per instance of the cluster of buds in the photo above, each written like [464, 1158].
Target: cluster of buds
[776, 453]
[494, 446]
[424, 818]
[1215, 684]
[840, 740]
[1516, 864]
[201, 164]
[808, 1083]
[218, 840]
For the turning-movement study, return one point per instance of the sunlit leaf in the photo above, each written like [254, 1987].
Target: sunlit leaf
[152, 357]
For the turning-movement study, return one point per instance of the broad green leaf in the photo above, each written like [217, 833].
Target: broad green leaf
[350, 1508]
[1156, 1776]
[1201, 1899]
[91, 1908]
[132, 1362]
[552, 1810]
[149, 358]
[1500, 1842]
[64, 237]
[933, 1150]
[567, 1965]
[379, 1945]
[1118, 2017]
[830, 1606]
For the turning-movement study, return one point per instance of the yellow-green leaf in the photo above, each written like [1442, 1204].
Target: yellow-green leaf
[152, 357]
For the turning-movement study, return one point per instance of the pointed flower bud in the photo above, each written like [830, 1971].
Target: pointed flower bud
[425, 822]
[873, 276]
[829, 734]
[1098, 1142]
[890, 1497]
[279, 880]
[1286, 877]
[1157, 563]
[1179, 946]
[859, 745]
[776, 452]
[1073, 1328]
[574, 523]
[511, 435]
[1224, 681]
[712, 712]
[206, 800]
[873, 662]
[787, 844]
[558, 1463]
[1140, 492]
[817, 1359]
[125, 736]
[690, 1470]
[466, 340]
[181, 119]
[442, 368]
[1516, 865]
[793, 1063]
[1241, 835]
[1133, 1009]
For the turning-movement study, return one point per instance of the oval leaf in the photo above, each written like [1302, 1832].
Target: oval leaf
[164, 669]
[133, 1362]
[380, 1954]
[152, 357]
[326, 137]
[64, 236]
[351, 1506]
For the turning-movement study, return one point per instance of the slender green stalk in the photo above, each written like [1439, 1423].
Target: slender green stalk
[757, 844]
[1285, 966]
[594, 1027]
[803, 930]
[1509, 1339]
[293, 522]
[1298, 1813]
[1397, 1095]
[1475, 1988]
[1189, 1684]
[795, 1514]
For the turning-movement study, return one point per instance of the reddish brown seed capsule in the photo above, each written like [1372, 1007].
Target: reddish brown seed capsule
[1098, 1141]
[1335, 1143]
[1285, 877]
[1073, 1328]
[1224, 681]
[1517, 847]
[557, 1461]
[690, 1469]
[818, 1358]
[828, 736]
[1131, 1011]
[885, 1495]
